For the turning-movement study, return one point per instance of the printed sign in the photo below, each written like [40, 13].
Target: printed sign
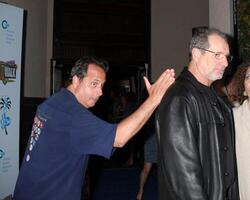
[11, 29]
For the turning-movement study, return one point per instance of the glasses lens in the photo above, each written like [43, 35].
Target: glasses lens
[229, 58]
[219, 55]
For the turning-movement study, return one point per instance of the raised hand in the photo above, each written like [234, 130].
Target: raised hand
[158, 89]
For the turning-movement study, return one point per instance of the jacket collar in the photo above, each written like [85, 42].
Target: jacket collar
[187, 75]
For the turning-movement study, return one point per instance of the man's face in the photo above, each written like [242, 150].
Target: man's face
[247, 82]
[89, 89]
[212, 65]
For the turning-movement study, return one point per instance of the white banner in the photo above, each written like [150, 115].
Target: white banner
[11, 29]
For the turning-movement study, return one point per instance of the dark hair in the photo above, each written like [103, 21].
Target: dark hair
[239, 77]
[80, 67]
[200, 37]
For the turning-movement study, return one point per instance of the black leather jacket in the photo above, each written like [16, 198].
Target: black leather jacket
[196, 144]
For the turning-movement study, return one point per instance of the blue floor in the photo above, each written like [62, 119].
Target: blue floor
[122, 184]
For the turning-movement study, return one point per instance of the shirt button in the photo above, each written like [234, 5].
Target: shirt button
[222, 124]
[226, 173]
[213, 103]
[225, 148]
[28, 158]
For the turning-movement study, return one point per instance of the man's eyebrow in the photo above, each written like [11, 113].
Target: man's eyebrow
[99, 80]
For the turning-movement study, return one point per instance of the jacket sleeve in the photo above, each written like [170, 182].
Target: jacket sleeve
[179, 159]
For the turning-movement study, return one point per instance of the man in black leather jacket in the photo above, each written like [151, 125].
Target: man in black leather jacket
[195, 128]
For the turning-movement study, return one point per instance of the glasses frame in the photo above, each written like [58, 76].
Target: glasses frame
[217, 54]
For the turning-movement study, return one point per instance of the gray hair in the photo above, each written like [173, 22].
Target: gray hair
[200, 38]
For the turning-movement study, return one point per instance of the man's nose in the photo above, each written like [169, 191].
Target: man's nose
[225, 61]
[100, 91]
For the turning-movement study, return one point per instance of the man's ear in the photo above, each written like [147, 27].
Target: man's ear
[75, 81]
[196, 53]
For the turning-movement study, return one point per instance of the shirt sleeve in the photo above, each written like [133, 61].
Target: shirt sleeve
[92, 135]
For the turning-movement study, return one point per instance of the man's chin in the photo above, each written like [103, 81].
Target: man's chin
[217, 77]
[92, 104]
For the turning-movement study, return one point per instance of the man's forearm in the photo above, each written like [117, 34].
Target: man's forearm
[129, 126]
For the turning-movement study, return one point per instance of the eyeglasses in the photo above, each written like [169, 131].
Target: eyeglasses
[218, 55]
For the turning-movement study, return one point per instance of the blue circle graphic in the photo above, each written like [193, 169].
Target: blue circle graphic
[5, 24]
[1, 153]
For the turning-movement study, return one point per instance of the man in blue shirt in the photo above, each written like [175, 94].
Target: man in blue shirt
[65, 133]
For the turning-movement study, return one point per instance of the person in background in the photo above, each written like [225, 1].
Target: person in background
[150, 155]
[195, 129]
[242, 129]
[65, 133]
[226, 89]
[128, 105]
[230, 90]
